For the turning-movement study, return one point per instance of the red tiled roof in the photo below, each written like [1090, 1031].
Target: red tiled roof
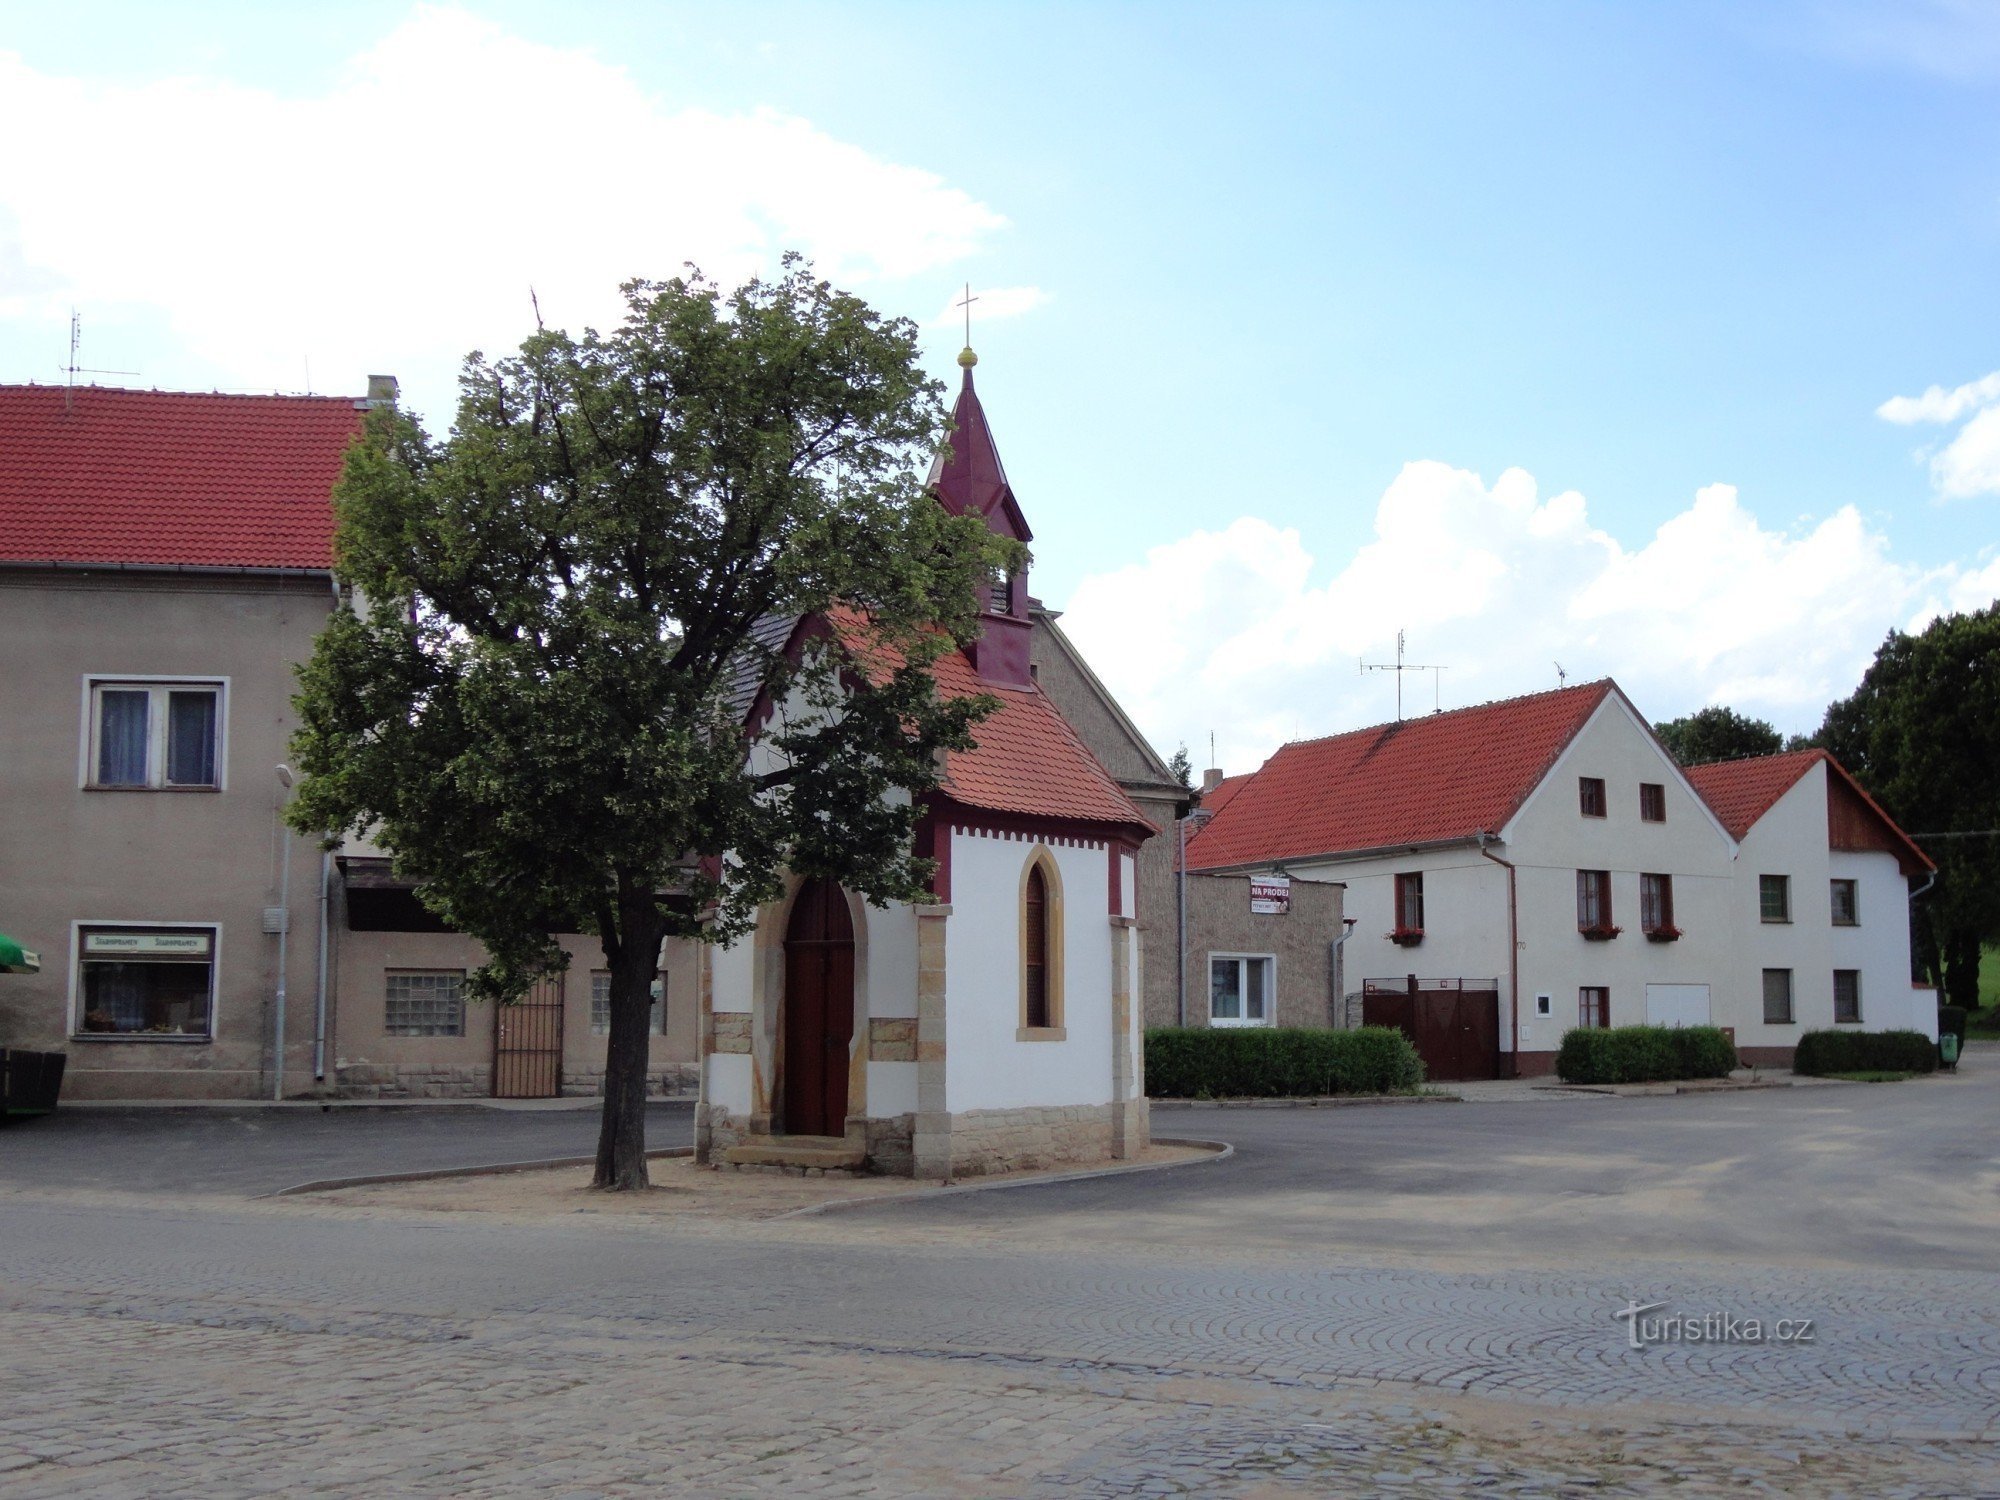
[1431, 780]
[96, 475]
[1028, 760]
[1225, 789]
[1742, 791]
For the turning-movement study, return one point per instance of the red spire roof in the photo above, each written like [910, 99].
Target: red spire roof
[968, 476]
[1438, 779]
[98, 475]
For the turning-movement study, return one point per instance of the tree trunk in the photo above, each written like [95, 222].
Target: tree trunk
[634, 958]
[1961, 973]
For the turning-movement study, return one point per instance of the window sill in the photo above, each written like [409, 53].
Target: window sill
[94, 787]
[1775, 921]
[1042, 1034]
[150, 1038]
[1224, 1023]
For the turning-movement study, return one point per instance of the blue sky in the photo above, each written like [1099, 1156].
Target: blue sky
[1281, 293]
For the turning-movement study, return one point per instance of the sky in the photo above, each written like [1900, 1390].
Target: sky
[1651, 342]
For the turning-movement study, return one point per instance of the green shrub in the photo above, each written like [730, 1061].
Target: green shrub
[1271, 1063]
[1643, 1054]
[1823, 1052]
[1952, 1018]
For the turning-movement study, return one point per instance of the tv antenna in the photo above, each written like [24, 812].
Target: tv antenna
[1399, 667]
[1562, 677]
[73, 369]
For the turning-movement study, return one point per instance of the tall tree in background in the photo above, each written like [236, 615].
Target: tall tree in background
[530, 704]
[1922, 733]
[1182, 767]
[1717, 733]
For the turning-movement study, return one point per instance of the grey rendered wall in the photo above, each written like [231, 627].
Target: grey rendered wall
[1220, 921]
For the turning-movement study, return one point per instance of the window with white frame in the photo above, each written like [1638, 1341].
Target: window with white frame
[1239, 989]
[146, 983]
[161, 736]
[600, 1004]
[425, 1003]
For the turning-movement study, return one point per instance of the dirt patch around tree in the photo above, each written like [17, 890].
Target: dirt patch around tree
[682, 1190]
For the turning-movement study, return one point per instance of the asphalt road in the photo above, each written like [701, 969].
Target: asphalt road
[252, 1151]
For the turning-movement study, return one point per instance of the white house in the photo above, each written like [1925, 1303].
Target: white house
[1520, 868]
[1822, 902]
[993, 1027]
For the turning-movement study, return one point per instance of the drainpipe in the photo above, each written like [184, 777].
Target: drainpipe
[1337, 1017]
[284, 775]
[1180, 916]
[319, 998]
[1513, 955]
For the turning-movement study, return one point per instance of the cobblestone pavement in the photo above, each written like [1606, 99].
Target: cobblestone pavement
[237, 1350]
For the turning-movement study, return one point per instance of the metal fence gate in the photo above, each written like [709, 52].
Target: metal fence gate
[528, 1044]
[1453, 1023]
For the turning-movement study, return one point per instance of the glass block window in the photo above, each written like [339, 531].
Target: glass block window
[426, 1004]
[600, 1004]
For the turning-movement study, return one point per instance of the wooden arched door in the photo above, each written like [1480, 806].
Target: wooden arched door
[819, 1010]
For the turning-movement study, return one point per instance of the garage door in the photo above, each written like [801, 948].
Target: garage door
[1677, 1005]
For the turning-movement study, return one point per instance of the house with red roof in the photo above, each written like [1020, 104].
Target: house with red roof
[994, 1026]
[1516, 869]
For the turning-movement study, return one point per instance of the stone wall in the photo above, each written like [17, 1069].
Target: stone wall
[1008, 1140]
[475, 1081]
[675, 1081]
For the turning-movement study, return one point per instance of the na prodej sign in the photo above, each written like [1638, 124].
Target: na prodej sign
[1270, 895]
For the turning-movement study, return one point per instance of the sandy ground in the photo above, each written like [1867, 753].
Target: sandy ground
[680, 1190]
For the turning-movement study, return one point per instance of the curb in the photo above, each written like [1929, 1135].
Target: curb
[1309, 1101]
[495, 1169]
[566, 1104]
[1218, 1151]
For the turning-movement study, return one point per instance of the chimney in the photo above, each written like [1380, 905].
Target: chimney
[382, 390]
[1211, 779]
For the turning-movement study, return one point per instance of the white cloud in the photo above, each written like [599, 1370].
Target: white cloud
[398, 219]
[1233, 631]
[1969, 464]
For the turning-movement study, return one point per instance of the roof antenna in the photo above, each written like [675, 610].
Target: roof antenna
[1399, 667]
[1562, 677]
[73, 369]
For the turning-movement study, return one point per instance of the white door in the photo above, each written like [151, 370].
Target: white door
[1677, 1005]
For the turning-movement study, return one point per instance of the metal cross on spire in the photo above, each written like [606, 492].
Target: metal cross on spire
[967, 305]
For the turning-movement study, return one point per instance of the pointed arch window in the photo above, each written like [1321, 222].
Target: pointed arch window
[1041, 950]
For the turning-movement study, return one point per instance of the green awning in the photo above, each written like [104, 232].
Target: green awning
[14, 959]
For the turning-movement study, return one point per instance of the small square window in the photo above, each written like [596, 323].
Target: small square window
[425, 1004]
[1590, 795]
[1239, 990]
[1593, 1007]
[600, 1004]
[1847, 996]
[1774, 898]
[1652, 802]
[1777, 997]
[155, 735]
[1846, 904]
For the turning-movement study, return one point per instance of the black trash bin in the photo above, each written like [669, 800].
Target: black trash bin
[29, 1081]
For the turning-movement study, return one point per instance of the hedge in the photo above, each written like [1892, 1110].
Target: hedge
[1822, 1052]
[1643, 1054]
[1233, 1062]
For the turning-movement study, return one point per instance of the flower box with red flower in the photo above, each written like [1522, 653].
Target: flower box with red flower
[1666, 932]
[1600, 933]
[1407, 937]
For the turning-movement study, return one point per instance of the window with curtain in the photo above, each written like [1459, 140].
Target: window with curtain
[1846, 904]
[1593, 1006]
[156, 735]
[146, 982]
[1593, 899]
[1410, 902]
[1656, 902]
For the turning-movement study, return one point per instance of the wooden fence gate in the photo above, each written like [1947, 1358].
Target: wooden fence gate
[1453, 1023]
[528, 1044]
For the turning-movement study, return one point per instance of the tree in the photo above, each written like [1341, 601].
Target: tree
[1182, 768]
[1922, 734]
[1717, 733]
[535, 702]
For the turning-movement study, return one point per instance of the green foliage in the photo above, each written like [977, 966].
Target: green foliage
[1182, 767]
[1643, 1054]
[1717, 733]
[1821, 1053]
[1922, 733]
[1267, 1062]
[530, 704]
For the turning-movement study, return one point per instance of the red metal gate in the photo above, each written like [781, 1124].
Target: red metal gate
[1453, 1023]
[528, 1044]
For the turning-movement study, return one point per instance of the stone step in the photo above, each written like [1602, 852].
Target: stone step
[830, 1153]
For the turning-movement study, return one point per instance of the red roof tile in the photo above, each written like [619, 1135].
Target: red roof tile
[1431, 780]
[1028, 760]
[97, 475]
[1742, 791]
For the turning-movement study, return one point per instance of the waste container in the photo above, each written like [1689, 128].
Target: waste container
[1948, 1050]
[29, 1081]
